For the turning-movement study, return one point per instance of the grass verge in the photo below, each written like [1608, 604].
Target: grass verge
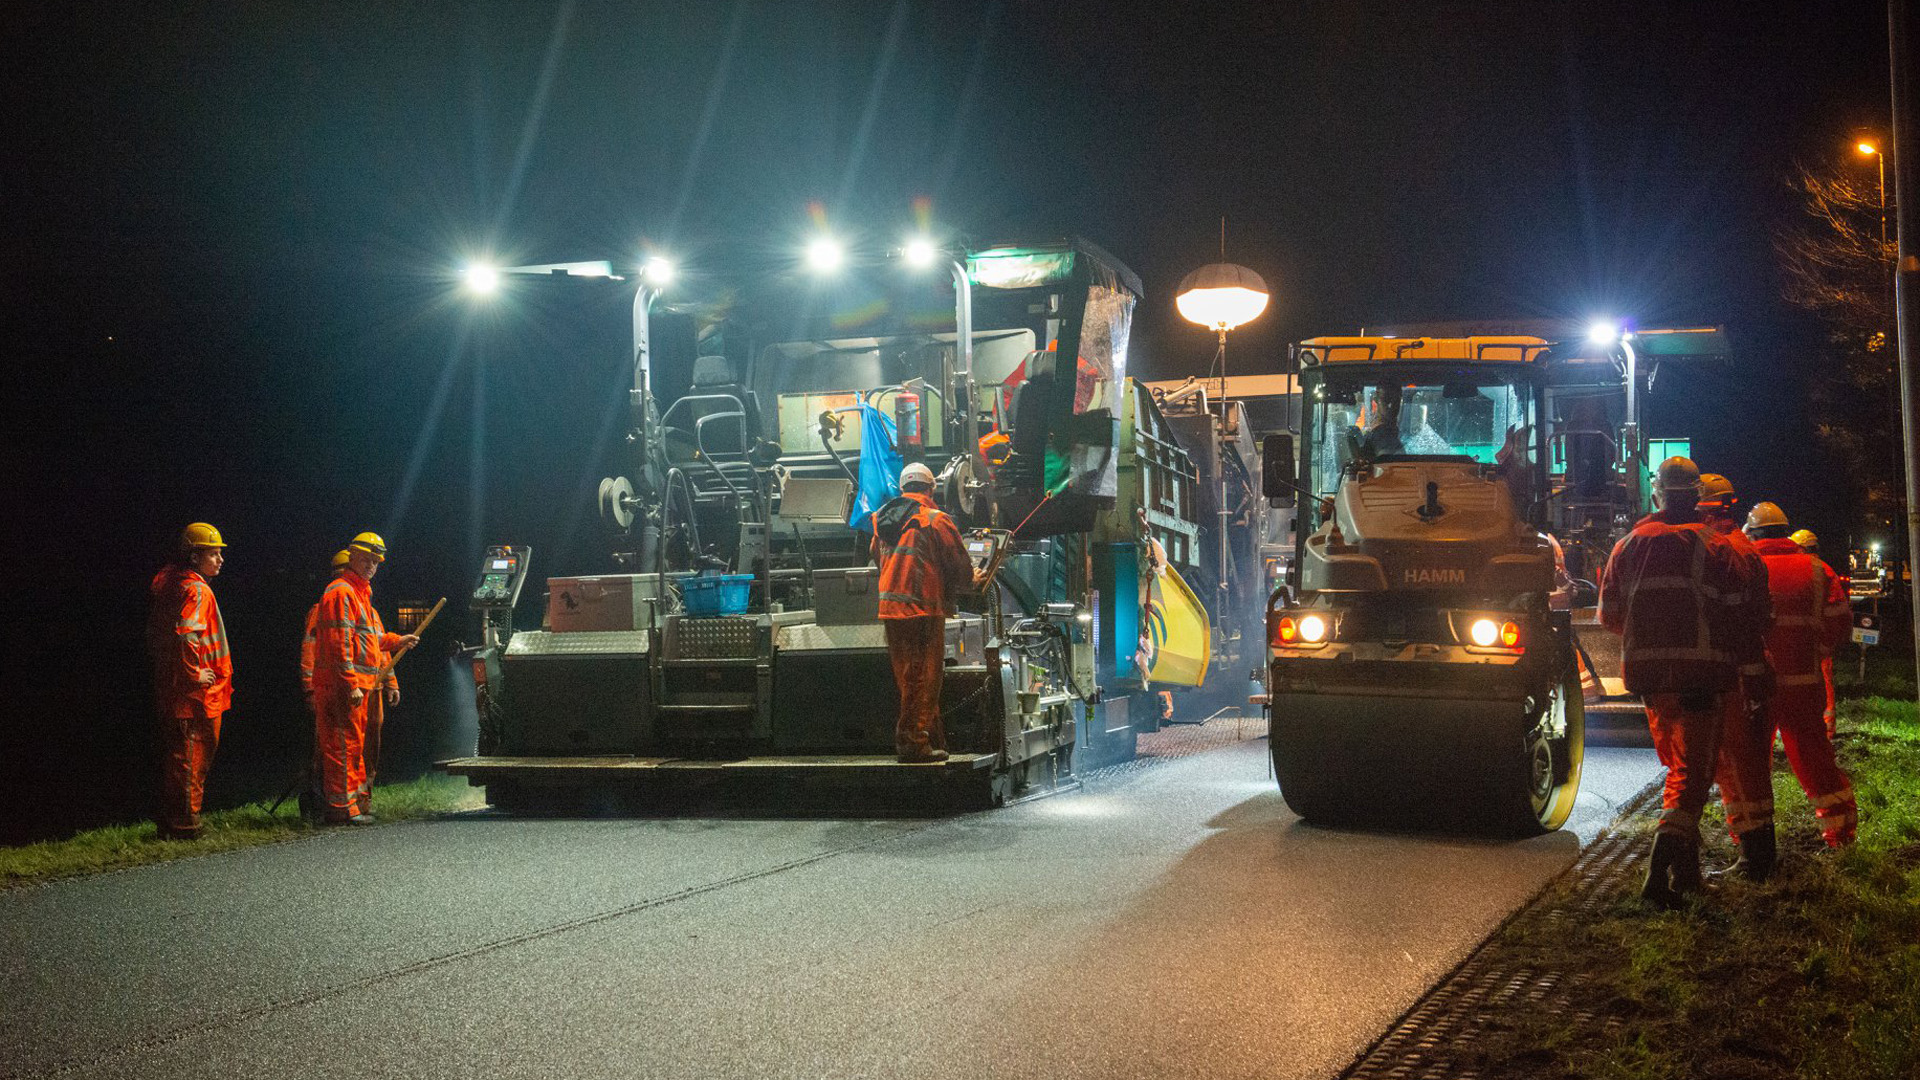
[117, 847]
[1811, 975]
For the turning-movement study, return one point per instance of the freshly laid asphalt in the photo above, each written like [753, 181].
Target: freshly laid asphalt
[1167, 919]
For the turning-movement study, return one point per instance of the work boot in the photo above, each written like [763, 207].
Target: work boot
[1685, 870]
[1658, 888]
[922, 756]
[1759, 856]
[363, 819]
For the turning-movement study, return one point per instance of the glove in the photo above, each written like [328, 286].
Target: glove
[205, 678]
[357, 696]
[393, 696]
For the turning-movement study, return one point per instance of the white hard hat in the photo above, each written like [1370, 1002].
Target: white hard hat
[1764, 514]
[916, 473]
[1678, 474]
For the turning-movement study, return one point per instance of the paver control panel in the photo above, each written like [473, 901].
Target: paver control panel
[502, 573]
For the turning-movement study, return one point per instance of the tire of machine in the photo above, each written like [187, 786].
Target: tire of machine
[1547, 770]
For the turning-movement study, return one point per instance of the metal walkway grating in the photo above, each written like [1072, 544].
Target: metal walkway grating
[1429, 1041]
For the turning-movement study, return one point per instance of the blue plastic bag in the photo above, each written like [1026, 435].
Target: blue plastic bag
[879, 468]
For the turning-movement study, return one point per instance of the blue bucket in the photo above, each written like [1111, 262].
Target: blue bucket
[716, 594]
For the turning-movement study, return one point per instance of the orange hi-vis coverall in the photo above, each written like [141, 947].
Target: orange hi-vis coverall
[1811, 615]
[1745, 771]
[185, 638]
[350, 649]
[1672, 591]
[923, 564]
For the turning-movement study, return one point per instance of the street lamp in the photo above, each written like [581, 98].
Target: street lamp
[1873, 150]
[1221, 296]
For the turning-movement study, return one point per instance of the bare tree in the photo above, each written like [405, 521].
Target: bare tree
[1835, 264]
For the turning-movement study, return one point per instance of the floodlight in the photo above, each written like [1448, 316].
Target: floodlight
[657, 271]
[824, 254]
[919, 252]
[483, 279]
[1221, 296]
[1603, 333]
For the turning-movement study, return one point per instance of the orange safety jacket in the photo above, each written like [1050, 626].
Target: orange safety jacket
[1811, 614]
[923, 560]
[350, 645]
[1755, 617]
[307, 642]
[1674, 591]
[186, 636]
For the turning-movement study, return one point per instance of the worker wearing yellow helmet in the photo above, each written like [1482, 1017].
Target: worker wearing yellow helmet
[340, 560]
[1745, 774]
[351, 665]
[192, 674]
[1810, 544]
[310, 789]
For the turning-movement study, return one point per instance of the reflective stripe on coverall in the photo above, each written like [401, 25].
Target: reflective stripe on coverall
[1745, 772]
[185, 637]
[1671, 590]
[921, 569]
[1811, 616]
[350, 649]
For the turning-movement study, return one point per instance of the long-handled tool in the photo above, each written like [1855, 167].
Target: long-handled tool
[377, 708]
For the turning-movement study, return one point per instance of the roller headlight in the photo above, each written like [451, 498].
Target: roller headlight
[1313, 628]
[1485, 632]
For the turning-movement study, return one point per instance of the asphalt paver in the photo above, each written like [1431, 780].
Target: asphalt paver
[1168, 920]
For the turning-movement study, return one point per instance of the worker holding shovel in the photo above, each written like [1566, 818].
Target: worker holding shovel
[352, 658]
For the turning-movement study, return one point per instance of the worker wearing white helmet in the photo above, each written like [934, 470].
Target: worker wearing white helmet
[1654, 595]
[1812, 616]
[923, 566]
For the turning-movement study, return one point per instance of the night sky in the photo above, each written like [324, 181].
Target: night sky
[228, 274]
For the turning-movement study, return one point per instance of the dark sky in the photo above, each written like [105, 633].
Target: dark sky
[231, 226]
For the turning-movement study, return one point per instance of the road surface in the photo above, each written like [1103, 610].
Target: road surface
[1171, 918]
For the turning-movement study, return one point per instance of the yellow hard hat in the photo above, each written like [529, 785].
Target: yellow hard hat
[370, 543]
[1765, 514]
[201, 535]
[1805, 538]
[341, 558]
[1716, 491]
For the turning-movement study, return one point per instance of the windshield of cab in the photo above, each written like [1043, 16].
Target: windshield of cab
[1376, 415]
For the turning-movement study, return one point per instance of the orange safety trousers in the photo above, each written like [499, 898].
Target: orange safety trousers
[1745, 770]
[1688, 742]
[917, 646]
[190, 743]
[1795, 712]
[340, 733]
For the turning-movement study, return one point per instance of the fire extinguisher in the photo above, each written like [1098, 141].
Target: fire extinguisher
[906, 422]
